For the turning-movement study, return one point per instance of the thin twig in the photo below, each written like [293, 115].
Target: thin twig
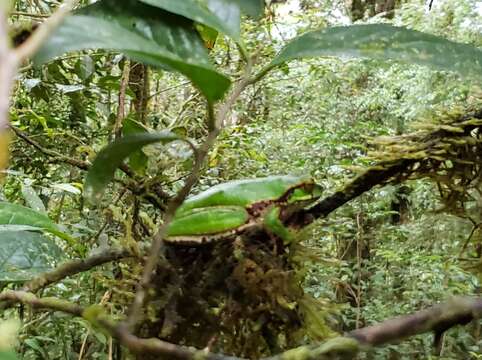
[38, 38]
[75, 267]
[169, 89]
[26, 14]
[467, 241]
[55, 156]
[122, 100]
[103, 301]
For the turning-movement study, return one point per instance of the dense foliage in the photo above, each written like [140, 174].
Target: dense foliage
[130, 106]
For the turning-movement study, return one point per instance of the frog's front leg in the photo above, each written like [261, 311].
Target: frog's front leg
[275, 226]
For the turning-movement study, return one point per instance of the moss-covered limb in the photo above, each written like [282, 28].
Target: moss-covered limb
[97, 317]
[30, 299]
[448, 151]
[67, 269]
[74, 267]
[154, 346]
[337, 348]
[370, 178]
[436, 319]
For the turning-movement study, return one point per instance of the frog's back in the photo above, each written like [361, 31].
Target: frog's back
[243, 192]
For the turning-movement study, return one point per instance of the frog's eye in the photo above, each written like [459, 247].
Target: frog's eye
[307, 191]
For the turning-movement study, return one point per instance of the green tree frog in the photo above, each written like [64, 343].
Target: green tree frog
[234, 206]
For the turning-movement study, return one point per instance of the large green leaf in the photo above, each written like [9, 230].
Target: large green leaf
[224, 18]
[13, 214]
[222, 15]
[112, 156]
[24, 255]
[381, 41]
[144, 33]
[8, 355]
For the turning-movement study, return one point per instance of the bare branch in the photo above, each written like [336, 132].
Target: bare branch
[437, 319]
[55, 156]
[362, 183]
[74, 267]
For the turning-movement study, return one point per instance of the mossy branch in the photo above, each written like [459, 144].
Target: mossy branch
[436, 319]
[74, 267]
[448, 152]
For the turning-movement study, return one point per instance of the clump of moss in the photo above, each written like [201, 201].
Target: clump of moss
[446, 148]
[243, 298]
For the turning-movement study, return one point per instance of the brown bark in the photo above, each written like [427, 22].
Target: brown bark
[140, 84]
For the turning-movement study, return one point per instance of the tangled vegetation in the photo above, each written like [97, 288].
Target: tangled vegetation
[122, 123]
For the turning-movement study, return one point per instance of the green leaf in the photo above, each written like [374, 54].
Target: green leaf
[208, 34]
[32, 199]
[24, 255]
[11, 228]
[68, 188]
[144, 33]
[138, 160]
[4, 355]
[222, 15]
[13, 214]
[111, 157]
[85, 67]
[253, 8]
[383, 42]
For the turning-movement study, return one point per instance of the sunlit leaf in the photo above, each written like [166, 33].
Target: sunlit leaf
[24, 255]
[85, 67]
[112, 156]
[144, 33]
[66, 188]
[66, 89]
[32, 199]
[384, 42]
[11, 228]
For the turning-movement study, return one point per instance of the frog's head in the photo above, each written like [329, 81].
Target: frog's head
[306, 191]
